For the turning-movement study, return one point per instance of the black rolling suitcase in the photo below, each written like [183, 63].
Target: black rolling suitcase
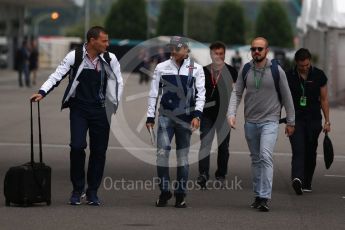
[31, 182]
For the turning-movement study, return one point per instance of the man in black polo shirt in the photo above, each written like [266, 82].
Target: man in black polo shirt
[308, 86]
[219, 78]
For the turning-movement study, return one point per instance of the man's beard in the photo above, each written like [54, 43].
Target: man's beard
[259, 59]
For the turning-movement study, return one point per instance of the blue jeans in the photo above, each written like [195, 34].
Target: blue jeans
[261, 139]
[167, 128]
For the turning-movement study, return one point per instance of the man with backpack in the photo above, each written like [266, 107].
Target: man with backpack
[93, 93]
[267, 90]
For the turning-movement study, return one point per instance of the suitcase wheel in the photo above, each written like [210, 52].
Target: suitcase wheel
[49, 202]
[8, 203]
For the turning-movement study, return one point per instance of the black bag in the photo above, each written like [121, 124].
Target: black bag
[328, 154]
[31, 182]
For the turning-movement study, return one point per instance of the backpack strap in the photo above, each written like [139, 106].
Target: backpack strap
[276, 77]
[72, 73]
[190, 71]
[107, 57]
[77, 61]
[245, 71]
[189, 89]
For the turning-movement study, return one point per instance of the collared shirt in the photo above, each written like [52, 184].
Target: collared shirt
[92, 83]
[315, 80]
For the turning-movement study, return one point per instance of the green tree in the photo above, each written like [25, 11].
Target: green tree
[127, 20]
[273, 24]
[201, 19]
[230, 23]
[77, 30]
[170, 20]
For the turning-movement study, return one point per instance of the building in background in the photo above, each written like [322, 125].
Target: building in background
[14, 23]
[322, 30]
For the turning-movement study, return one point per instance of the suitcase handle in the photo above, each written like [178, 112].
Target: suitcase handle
[39, 133]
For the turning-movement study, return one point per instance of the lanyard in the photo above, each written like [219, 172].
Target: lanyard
[302, 88]
[94, 65]
[215, 80]
[303, 99]
[302, 84]
[258, 79]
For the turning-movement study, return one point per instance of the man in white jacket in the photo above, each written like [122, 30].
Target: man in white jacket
[183, 97]
[93, 93]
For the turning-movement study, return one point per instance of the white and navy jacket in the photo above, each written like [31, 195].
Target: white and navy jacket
[114, 79]
[181, 97]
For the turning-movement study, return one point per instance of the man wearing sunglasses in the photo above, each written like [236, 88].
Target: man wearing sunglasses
[308, 85]
[262, 109]
[181, 81]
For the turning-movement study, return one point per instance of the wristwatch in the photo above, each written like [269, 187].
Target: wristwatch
[327, 123]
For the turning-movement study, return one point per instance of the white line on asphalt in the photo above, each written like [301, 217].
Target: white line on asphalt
[137, 96]
[327, 175]
[143, 148]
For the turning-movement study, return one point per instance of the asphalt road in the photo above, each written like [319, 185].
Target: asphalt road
[130, 190]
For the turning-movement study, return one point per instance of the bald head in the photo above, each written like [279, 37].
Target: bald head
[259, 50]
[262, 40]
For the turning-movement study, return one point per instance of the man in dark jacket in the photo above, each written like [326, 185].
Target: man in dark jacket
[219, 78]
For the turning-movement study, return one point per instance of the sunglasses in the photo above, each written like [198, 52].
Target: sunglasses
[253, 49]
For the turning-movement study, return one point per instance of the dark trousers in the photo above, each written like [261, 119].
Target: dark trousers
[24, 70]
[94, 120]
[304, 144]
[208, 128]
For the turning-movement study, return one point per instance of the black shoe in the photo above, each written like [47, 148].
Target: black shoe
[220, 182]
[180, 202]
[256, 203]
[163, 199]
[202, 180]
[297, 186]
[92, 199]
[263, 207]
